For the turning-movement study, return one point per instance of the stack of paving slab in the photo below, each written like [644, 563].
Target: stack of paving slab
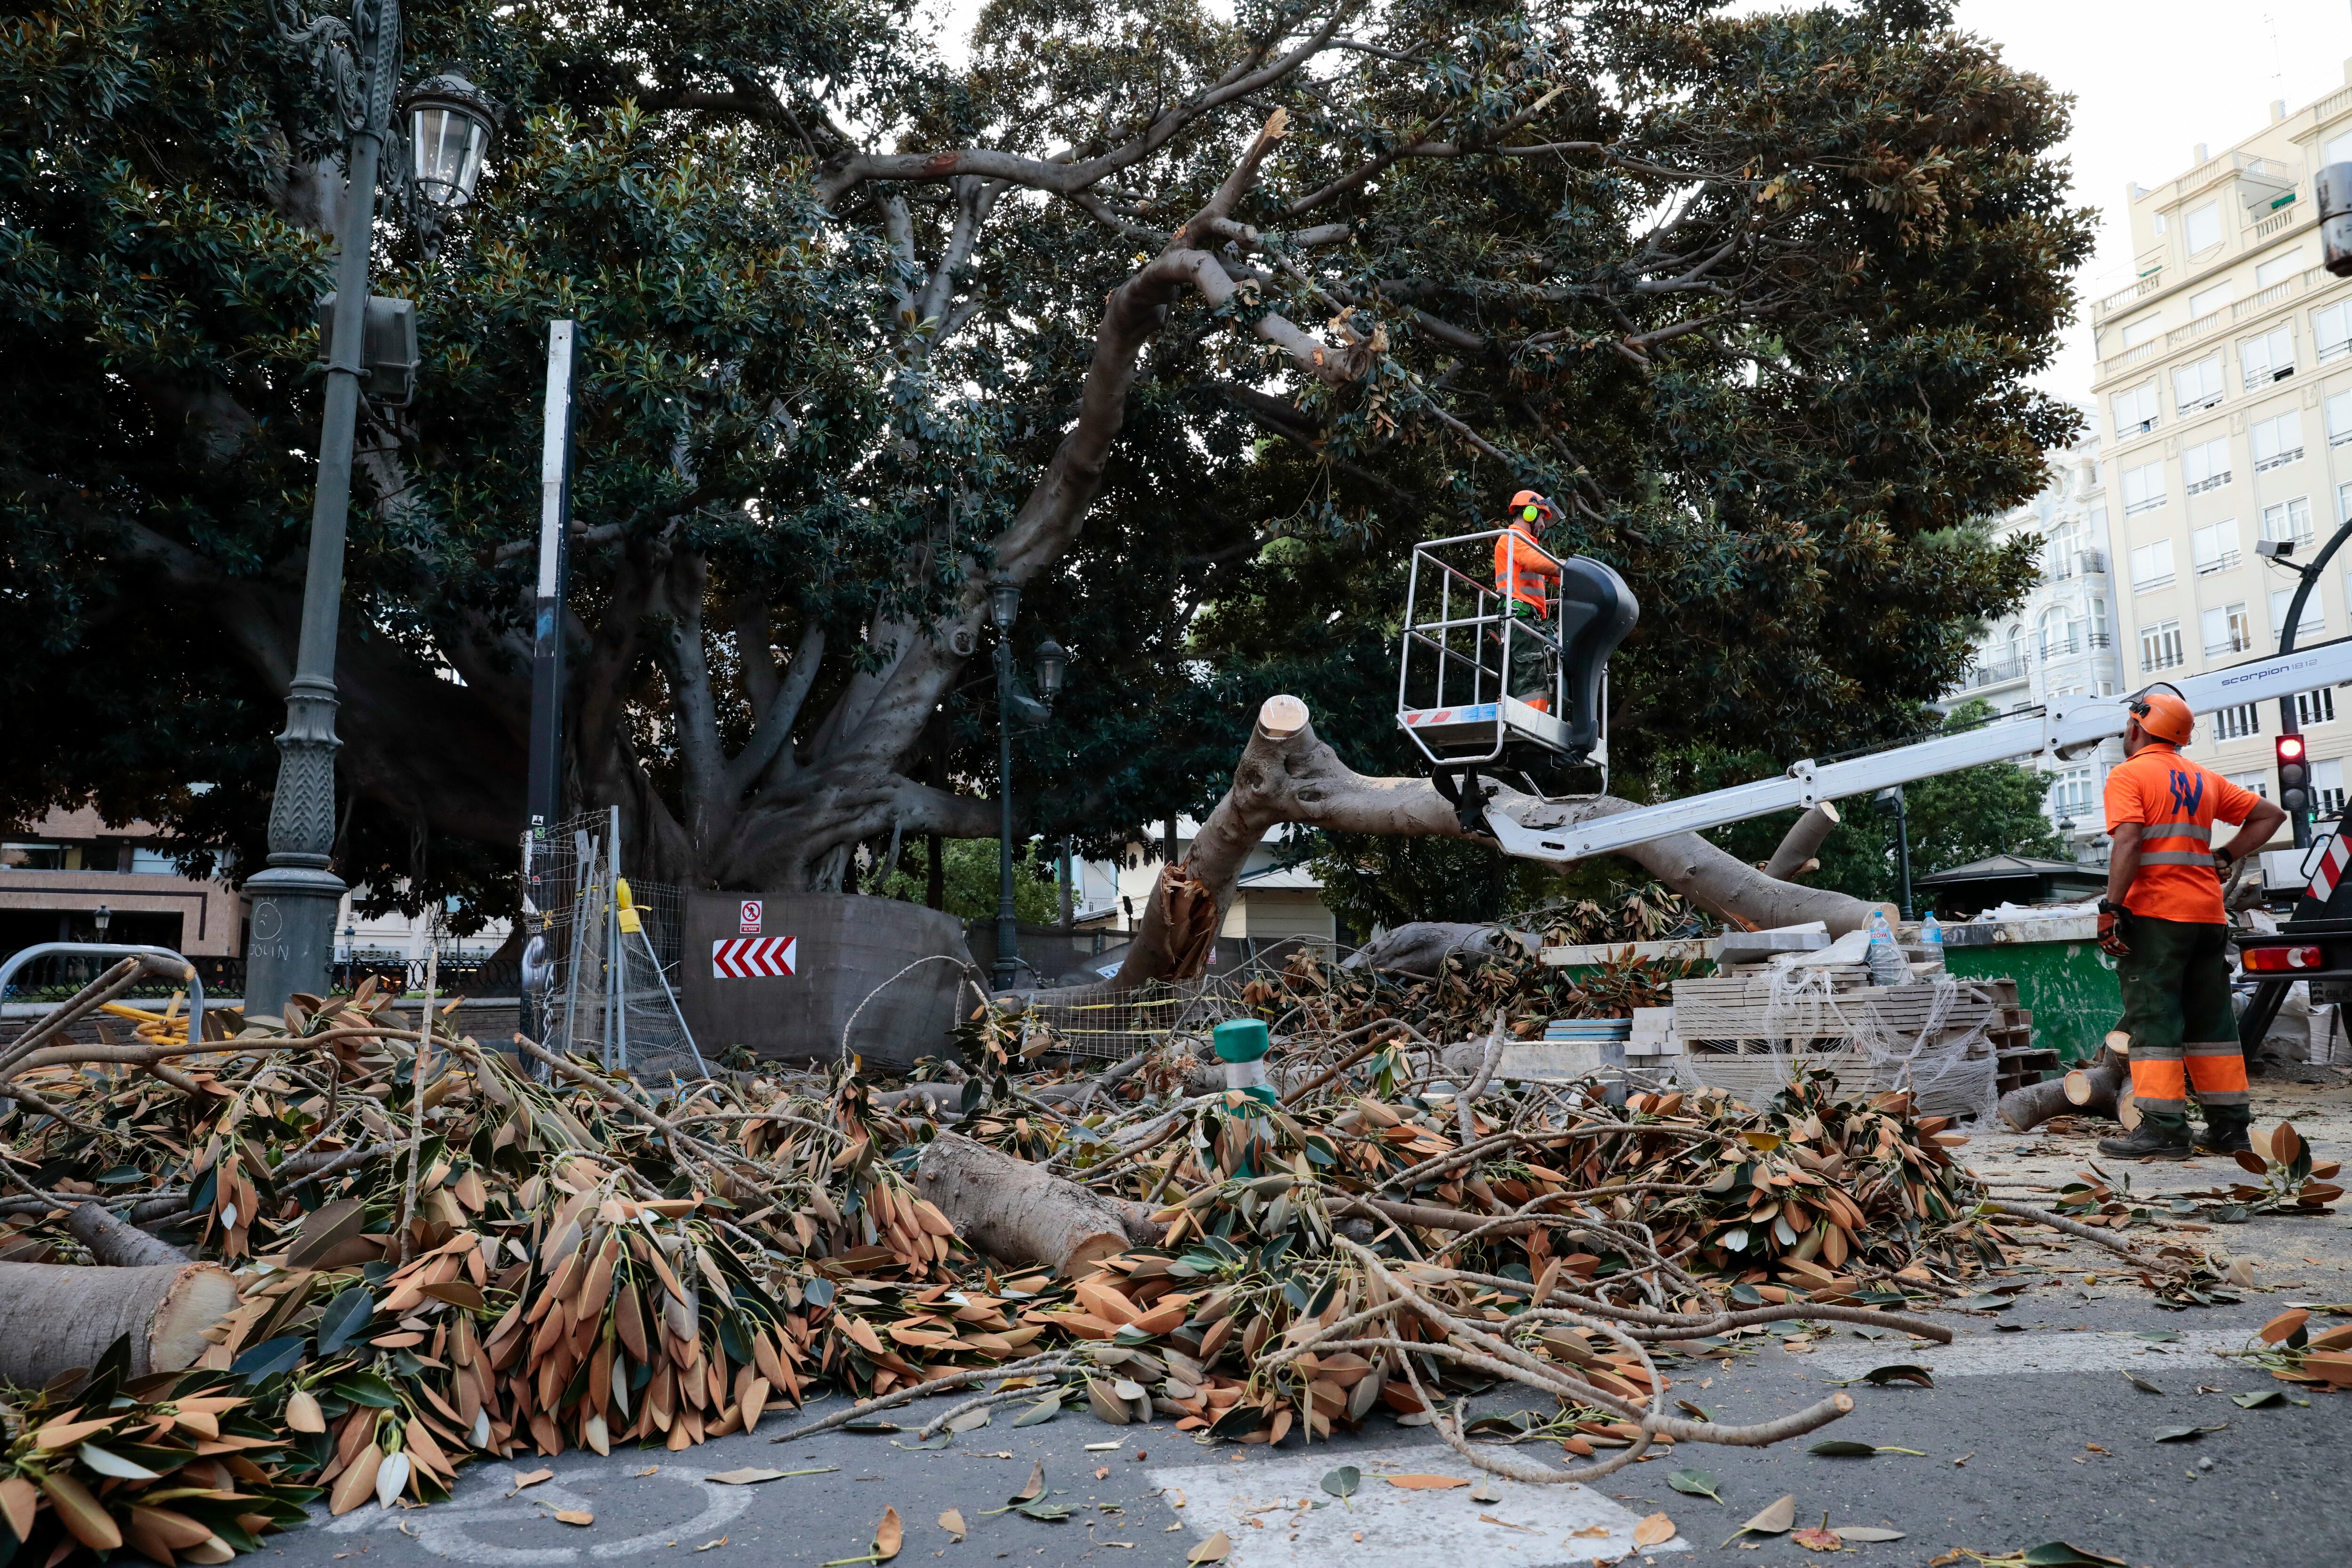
[1731, 1037]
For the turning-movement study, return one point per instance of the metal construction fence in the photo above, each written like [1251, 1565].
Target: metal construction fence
[607, 971]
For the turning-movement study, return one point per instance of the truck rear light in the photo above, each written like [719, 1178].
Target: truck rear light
[2277, 959]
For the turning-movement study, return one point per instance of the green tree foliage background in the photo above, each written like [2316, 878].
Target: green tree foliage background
[1774, 439]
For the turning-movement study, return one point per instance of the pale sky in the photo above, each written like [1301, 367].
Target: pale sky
[2150, 80]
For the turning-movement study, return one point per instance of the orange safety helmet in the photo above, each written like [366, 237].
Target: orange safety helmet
[2164, 715]
[1529, 507]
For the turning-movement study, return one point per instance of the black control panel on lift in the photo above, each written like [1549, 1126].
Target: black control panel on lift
[2315, 944]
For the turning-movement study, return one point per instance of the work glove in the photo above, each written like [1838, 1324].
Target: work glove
[2223, 862]
[2112, 918]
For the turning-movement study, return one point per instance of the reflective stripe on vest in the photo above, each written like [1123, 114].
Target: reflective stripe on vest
[2203, 835]
[2177, 857]
[1515, 572]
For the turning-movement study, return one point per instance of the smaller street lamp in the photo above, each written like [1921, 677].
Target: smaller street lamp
[1053, 663]
[450, 125]
[103, 918]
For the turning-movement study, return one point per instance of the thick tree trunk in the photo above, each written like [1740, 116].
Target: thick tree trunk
[1288, 775]
[2093, 1090]
[55, 1317]
[117, 1244]
[1802, 842]
[1419, 947]
[1014, 1211]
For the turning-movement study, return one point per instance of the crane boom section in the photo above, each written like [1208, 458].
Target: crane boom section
[2068, 726]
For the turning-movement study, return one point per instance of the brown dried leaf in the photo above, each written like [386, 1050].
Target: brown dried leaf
[888, 1536]
[2284, 1324]
[576, 1516]
[1653, 1531]
[1775, 1519]
[1426, 1483]
[953, 1522]
[1216, 1549]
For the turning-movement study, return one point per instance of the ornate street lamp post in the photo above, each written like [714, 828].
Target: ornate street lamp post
[1011, 703]
[295, 899]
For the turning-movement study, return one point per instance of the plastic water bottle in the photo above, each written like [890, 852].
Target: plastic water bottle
[1931, 937]
[1886, 964]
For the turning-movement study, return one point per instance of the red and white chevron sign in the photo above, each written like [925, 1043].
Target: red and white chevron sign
[2331, 868]
[754, 957]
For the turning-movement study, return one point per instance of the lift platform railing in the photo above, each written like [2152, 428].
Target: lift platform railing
[1456, 692]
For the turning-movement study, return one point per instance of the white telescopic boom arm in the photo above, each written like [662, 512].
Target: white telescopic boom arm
[2069, 726]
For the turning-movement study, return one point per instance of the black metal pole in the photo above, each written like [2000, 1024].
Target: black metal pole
[296, 897]
[1008, 929]
[2299, 817]
[1903, 847]
[543, 796]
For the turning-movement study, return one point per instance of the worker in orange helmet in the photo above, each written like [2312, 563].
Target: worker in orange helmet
[1522, 571]
[2163, 923]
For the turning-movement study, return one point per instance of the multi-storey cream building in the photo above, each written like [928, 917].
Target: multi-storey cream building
[2061, 641]
[2224, 393]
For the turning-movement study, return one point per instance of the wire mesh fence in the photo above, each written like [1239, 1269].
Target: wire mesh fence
[1116, 1026]
[606, 969]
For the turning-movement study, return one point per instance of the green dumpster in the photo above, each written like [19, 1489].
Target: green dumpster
[2060, 976]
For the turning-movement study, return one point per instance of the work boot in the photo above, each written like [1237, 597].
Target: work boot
[2225, 1129]
[2156, 1137]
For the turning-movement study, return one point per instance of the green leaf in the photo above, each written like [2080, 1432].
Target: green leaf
[345, 1316]
[2157, 1336]
[1697, 1483]
[1343, 1481]
[1842, 1449]
[1045, 1410]
[366, 1388]
[2257, 1399]
[115, 1465]
[2179, 1433]
[2059, 1554]
[1048, 1512]
[871, 1425]
[1902, 1371]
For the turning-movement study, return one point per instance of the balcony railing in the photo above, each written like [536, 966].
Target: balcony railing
[2255, 305]
[2138, 354]
[2210, 482]
[2211, 400]
[2146, 503]
[2279, 221]
[2094, 563]
[2130, 294]
[2212, 320]
[2261, 375]
[2000, 674]
[2162, 658]
[2149, 584]
[2228, 646]
[2225, 561]
[2278, 460]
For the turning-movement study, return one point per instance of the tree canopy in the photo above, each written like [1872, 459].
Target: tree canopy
[1187, 323]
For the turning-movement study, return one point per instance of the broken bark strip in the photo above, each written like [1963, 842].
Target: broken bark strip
[106, 988]
[1011, 1209]
[2082, 1232]
[1288, 775]
[57, 1316]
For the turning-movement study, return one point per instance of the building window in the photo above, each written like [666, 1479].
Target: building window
[2151, 565]
[2159, 646]
[154, 863]
[2268, 357]
[2278, 268]
[2143, 487]
[2331, 332]
[2205, 301]
[2135, 411]
[2206, 466]
[2070, 793]
[2288, 520]
[2141, 331]
[2315, 618]
[2227, 630]
[2237, 723]
[2278, 440]
[2214, 548]
[2314, 707]
[2200, 229]
[2328, 789]
[2098, 621]
[2199, 385]
[2258, 782]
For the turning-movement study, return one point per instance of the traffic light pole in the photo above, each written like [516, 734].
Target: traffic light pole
[2297, 799]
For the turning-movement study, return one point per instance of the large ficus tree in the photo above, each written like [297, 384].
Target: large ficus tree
[1188, 325]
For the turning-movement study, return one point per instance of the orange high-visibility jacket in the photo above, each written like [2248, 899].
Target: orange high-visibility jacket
[2175, 802]
[1521, 567]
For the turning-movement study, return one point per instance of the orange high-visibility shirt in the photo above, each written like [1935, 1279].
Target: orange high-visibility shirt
[1521, 567]
[2175, 802]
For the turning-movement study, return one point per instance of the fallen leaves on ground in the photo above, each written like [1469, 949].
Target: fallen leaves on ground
[1653, 1531]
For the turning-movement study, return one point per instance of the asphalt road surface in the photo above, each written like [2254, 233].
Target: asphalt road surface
[2032, 1433]
[2006, 1460]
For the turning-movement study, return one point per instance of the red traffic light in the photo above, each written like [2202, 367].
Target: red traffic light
[2290, 748]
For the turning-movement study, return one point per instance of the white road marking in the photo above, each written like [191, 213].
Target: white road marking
[1400, 1529]
[1996, 1355]
[481, 1500]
